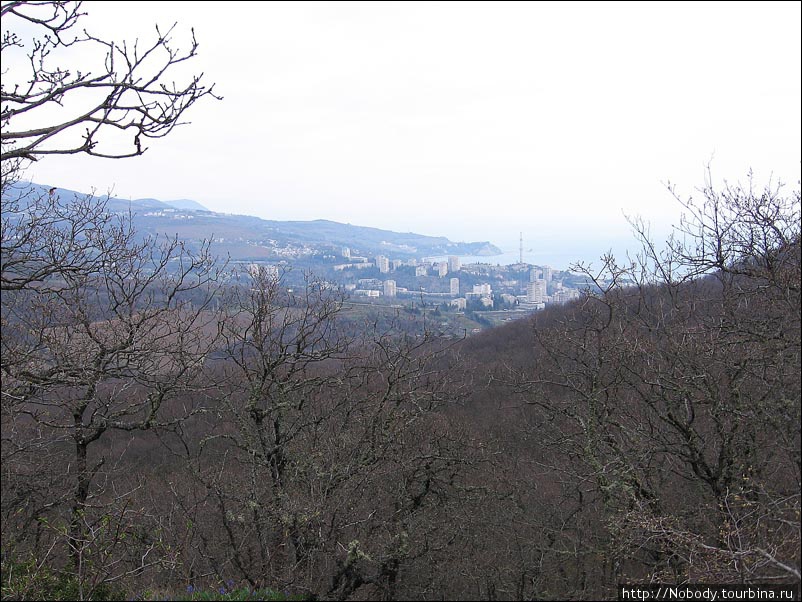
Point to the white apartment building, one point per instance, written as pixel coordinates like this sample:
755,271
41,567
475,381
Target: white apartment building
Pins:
483,290
383,263
455,287
536,291
460,303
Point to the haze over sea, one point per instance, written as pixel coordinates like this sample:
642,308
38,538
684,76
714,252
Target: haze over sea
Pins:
560,256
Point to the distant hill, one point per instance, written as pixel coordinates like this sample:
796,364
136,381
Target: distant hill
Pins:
27,191
187,204
244,237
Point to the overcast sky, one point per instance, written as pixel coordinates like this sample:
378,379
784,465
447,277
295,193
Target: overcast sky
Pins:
471,120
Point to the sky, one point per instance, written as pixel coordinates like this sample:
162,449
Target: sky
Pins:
475,121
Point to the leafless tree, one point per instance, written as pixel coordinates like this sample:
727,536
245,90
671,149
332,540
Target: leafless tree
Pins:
87,352
337,459
103,331
108,108
673,386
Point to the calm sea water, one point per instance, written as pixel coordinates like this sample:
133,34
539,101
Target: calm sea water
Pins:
560,260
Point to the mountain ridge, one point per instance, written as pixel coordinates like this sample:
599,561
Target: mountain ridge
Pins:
247,237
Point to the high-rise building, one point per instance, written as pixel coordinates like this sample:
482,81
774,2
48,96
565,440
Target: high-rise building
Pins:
454,264
455,287
420,270
383,264
389,288
536,291
442,268
346,252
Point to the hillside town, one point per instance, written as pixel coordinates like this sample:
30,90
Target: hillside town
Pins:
492,292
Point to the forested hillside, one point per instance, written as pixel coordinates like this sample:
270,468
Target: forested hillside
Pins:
168,429
654,428
163,430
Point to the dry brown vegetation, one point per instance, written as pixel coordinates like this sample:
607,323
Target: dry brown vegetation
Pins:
162,427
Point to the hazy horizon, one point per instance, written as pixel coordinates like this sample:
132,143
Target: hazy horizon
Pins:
473,121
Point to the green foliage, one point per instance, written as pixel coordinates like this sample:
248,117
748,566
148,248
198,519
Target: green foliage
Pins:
30,580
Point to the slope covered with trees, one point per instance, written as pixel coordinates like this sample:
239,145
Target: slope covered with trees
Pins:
162,428
667,412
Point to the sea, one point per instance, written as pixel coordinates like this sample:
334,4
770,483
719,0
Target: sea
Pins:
559,260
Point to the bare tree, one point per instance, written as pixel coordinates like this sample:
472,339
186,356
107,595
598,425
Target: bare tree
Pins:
53,108
673,386
85,353
103,331
336,458
44,239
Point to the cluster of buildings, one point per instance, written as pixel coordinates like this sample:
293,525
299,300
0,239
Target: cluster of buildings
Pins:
169,213
385,264
539,287
479,287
